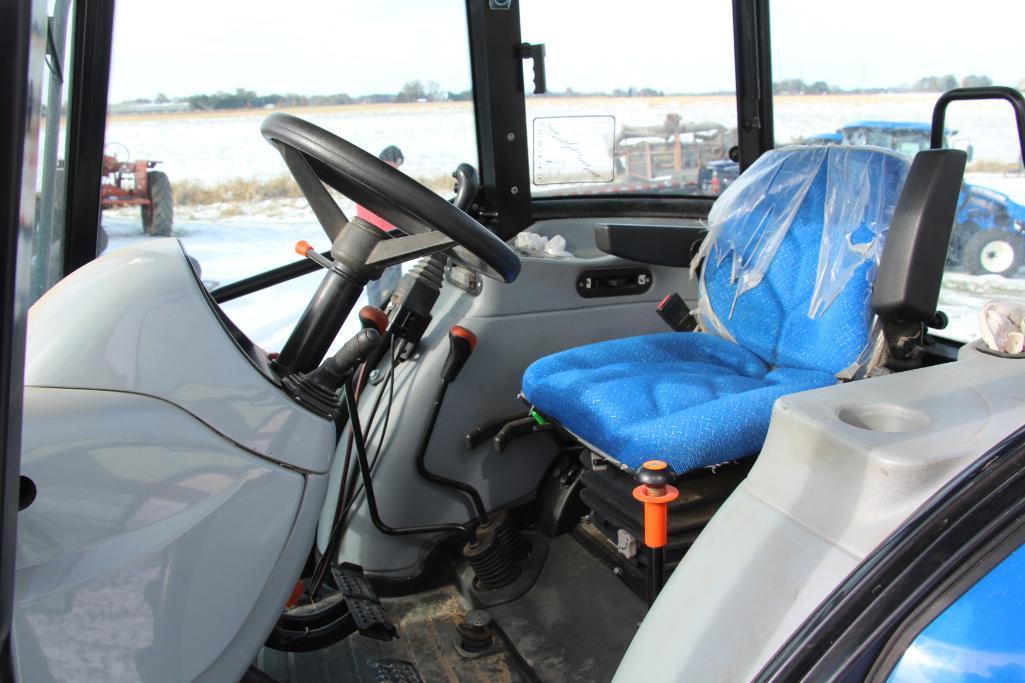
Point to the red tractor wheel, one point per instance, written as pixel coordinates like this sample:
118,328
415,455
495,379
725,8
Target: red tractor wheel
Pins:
158,215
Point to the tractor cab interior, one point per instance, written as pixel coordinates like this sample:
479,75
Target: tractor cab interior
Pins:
586,380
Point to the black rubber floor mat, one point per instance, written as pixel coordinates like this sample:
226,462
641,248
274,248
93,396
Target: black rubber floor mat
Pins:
576,622
424,651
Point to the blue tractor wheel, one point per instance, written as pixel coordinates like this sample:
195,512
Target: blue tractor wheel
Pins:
993,252
959,237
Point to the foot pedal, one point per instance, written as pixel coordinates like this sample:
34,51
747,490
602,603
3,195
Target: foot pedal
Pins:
362,602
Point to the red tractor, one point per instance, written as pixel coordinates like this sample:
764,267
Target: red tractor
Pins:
134,183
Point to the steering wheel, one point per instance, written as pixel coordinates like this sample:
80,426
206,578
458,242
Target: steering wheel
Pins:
316,157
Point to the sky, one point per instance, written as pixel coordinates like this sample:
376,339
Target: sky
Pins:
310,47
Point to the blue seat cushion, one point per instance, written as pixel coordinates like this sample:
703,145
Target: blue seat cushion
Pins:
690,399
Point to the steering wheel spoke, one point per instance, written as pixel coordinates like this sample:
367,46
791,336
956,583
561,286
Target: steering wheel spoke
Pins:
327,211
316,156
402,249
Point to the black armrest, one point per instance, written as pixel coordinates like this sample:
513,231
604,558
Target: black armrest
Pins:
657,245
907,286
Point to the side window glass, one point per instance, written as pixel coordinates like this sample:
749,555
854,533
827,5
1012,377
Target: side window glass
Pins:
835,87
51,186
980,637
635,104
184,155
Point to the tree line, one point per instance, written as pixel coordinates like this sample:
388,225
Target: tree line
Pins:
418,91
797,86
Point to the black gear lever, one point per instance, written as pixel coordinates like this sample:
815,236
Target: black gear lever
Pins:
331,372
461,343
317,389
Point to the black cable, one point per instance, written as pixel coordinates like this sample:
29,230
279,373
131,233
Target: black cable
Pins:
334,537
368,486
355,487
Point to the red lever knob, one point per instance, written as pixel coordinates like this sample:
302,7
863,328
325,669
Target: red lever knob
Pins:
461,343
372,316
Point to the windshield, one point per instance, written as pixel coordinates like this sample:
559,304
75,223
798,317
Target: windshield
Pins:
640,99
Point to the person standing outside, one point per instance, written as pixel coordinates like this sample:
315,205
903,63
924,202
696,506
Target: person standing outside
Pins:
381,289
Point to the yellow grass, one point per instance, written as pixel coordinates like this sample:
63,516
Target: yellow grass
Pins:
239,190
989,166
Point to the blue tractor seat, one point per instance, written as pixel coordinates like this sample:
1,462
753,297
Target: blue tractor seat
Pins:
785,283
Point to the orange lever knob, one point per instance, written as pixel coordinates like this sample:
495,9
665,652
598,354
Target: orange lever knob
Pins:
656,493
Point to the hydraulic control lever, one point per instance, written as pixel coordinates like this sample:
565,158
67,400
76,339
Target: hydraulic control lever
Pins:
318,388
461,343
372,317
332,372
656,492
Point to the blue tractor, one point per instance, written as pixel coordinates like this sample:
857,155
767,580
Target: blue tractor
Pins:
988,232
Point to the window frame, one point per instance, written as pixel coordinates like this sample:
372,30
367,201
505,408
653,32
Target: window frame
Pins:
968,526
93,32
498,86
22,47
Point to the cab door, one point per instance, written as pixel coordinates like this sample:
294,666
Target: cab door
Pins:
22,43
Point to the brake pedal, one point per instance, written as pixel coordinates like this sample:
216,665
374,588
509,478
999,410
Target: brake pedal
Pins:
362,602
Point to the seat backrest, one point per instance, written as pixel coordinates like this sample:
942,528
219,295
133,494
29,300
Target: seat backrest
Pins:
792,250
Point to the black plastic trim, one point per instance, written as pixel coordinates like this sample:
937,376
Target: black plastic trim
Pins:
501,114
596,283
845,635
659,245
93,32
627,207
907,286
752,58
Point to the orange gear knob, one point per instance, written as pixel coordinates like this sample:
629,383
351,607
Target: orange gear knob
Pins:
656,492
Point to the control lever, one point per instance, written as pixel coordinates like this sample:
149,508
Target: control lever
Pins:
331,372
317,389
461,343
372,317
304,248
504,430
656,492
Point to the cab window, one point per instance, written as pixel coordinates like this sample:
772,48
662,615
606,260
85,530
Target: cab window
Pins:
51,181
835,86
640,100
184,155
980,636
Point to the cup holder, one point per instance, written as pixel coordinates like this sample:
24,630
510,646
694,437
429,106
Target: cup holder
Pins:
882,417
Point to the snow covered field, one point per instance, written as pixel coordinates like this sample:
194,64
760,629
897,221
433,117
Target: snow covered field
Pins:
437,136
232,241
